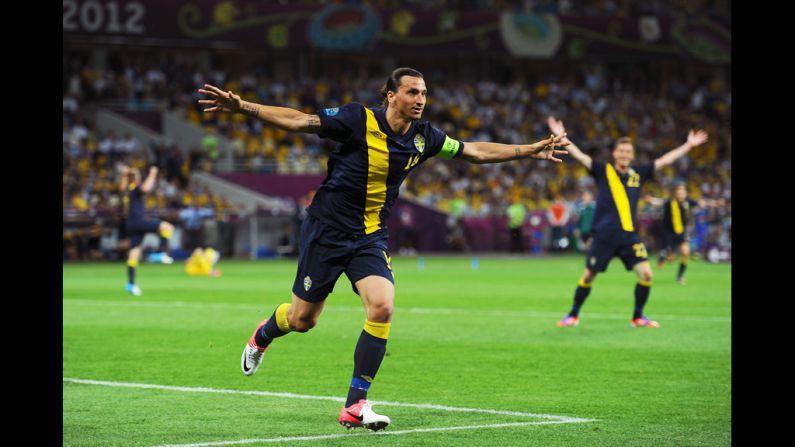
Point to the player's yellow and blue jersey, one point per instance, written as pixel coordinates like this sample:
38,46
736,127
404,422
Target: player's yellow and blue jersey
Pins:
617,199
136,224
676,214
134,203
365,172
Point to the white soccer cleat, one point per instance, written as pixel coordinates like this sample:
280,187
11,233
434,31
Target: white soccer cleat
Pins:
133,289
252,354
251,359
166,259
361,414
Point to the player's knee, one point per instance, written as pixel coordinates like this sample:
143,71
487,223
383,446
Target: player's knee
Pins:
166,229
381,311
301,323
134,255
646,275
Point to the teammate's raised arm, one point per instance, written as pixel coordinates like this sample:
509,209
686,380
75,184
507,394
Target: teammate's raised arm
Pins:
556,126
694,138
125,173
149,183
282,117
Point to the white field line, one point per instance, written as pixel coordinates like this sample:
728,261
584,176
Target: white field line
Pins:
187,389
551,418
379,433
409,310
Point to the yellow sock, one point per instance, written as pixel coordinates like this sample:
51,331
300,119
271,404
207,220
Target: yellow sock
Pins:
380,330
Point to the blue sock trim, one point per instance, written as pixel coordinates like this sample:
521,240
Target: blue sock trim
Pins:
360,384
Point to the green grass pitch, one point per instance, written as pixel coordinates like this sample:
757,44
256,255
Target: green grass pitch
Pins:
479,339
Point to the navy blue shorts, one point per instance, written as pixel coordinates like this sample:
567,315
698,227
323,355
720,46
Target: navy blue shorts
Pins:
606,245
672,241
325,252
137,229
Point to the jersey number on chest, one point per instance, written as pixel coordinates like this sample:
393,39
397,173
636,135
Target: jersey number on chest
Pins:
413,160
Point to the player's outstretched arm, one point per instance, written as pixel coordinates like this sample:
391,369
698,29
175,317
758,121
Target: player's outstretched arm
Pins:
654,201
282,117
125,172
556,126
149,183
711,203
486,152
694,138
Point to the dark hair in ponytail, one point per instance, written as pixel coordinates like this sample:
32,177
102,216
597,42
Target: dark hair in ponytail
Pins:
393,82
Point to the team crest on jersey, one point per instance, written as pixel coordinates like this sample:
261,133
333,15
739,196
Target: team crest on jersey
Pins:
419,142
332,111
307,283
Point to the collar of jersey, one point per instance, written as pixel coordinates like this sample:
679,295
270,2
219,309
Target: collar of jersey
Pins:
620,174
380,118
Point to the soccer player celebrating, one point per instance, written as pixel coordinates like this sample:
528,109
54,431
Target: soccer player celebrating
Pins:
614,220
676,214
137,225
345,230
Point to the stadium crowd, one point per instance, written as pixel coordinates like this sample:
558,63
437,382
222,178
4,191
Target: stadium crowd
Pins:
655,105
92,163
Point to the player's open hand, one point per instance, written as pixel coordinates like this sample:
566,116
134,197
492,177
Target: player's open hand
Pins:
220,101
695,138
546,149
556,126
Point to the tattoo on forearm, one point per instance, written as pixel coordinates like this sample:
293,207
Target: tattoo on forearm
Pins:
313,123
251,110
518,151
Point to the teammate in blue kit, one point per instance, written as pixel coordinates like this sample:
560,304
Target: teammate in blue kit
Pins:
614,223
345,230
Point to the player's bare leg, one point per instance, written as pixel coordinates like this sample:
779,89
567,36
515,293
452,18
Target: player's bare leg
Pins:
298,315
